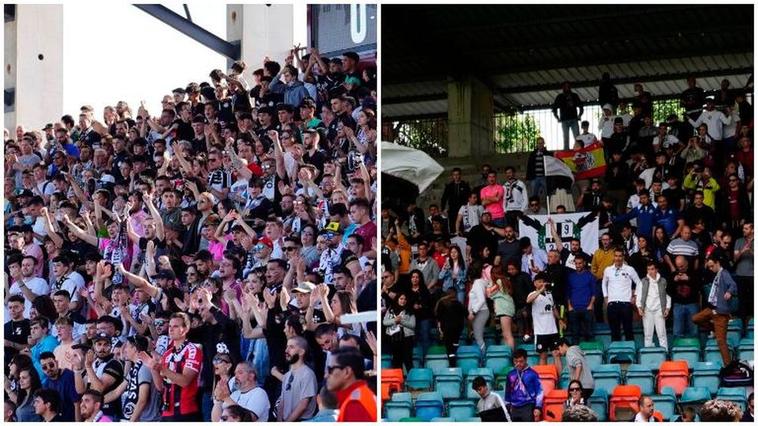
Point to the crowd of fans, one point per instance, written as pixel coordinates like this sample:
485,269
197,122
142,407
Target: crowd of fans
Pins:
676,246
202,262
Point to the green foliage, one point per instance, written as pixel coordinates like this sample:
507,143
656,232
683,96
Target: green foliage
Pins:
429,136
515,133
664,108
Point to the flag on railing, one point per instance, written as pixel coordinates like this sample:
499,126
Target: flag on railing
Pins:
585,163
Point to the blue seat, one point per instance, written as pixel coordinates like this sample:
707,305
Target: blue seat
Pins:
429,405
396,410
447,381
666,404
442,420
418,361
694,396
621,351
641,376
599,403
706,374
607,377
461,409
734,332
386,361
711,353
419,379
736,395
745,349
652,357
498,357
594,358
436,362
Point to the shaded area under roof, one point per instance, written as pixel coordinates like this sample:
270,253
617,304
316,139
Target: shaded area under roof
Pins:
523,52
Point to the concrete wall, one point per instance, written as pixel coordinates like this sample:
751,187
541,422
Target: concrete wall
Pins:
470,111
264,31
34,65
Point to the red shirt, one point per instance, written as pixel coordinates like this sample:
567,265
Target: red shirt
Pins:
357,403
174,396
368,233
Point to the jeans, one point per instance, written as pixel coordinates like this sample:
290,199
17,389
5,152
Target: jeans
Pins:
574,126
745,299
538,187
683,325
620,313
580,323
206,406
261,360
424,334
719,327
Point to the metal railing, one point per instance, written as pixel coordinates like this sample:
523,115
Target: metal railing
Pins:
428,135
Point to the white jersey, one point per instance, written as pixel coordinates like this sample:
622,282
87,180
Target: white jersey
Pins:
542,315
470,216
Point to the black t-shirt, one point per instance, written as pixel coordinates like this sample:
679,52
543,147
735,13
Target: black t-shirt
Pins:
115,369
16,332
479,237
684,291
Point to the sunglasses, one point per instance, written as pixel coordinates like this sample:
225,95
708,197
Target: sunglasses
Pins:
291,379
330,369
290,248
48,366
159,323
218,360
574,389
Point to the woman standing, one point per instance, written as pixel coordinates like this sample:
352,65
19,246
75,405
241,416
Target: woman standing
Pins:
499,290
401,325
28,383
478,313
420,301
453,273
450,314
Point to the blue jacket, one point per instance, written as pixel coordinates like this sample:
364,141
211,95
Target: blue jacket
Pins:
645,219
727,284
524,388
667,219
580,289
294,93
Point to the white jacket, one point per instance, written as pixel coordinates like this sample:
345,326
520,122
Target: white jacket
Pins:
477,298
515,196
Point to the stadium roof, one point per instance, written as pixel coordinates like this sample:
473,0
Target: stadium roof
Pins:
523,52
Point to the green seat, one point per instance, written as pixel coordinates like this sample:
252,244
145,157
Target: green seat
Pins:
412,420
436,350
591,346
686,342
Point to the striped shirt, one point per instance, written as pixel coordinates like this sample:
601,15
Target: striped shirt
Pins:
680,247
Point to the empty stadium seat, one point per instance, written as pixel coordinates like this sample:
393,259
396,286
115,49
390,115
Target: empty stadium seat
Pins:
392,381
594,353
745,349
625,351
642,376
396,410
607,377
736,395
652,357
694,397
442,420
686,349
593,345
734,332
674,374
436,361
564,380
706,374
624,403
386,361
553,412
602,334
461,409
666,404
420,379
447,382
429,405
468,357
712,353
498,357
418,360
599,404
548,376
750,326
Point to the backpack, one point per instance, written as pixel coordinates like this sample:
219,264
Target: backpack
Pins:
735,374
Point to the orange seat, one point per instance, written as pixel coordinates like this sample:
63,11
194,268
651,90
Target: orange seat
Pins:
624,402
675,374
392,381
556,396
553,412
658,416
548,376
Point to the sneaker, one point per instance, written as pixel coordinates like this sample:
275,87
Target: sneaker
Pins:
527,337
711,335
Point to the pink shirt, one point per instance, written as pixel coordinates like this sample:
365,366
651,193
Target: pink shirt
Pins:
496,208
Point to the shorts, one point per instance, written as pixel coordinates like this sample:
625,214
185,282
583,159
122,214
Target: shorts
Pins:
545,342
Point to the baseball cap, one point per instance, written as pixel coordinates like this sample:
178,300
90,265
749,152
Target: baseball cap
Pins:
266,241
102,336
305,287
166,273
335,227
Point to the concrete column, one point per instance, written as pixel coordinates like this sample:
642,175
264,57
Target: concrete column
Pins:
34,65
264,30
470,112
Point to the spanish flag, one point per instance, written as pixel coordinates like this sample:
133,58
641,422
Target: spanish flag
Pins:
585,163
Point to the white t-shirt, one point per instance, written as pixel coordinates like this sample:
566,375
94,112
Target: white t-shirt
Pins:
471,216
37,286
638,418
254,400
542,315
73,283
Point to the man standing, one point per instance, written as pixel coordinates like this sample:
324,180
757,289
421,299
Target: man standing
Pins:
428,267
454,196
619,294
685,295
490,407
298,399
580,291
716,315
544,315
141,401
492,196
568,102
176,373
469,215
103,373
744,260
535,169
654,306
345,377
516,197
523,390
577,365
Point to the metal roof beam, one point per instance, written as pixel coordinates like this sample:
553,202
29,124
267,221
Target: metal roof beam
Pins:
192,30
415,98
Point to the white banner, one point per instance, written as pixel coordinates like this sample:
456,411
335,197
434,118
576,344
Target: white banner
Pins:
572,225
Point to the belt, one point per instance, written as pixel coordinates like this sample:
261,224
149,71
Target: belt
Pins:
619,303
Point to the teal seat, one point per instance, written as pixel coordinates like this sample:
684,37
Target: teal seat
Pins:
442,420
706,375
745,349
666,404
591,346
711,353
593,358
471,420
625,351
488,376
461,409
498,350
564,380
386,361
429,405
468,363
641,376
694,396
402,397
485,372
599,403
652,357
436,362
607,377
686,349
749,331
498,357
419,379
734,332
449,386
736,395
396,410
418,360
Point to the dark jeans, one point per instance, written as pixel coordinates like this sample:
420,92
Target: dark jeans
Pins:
580,323
745,297
424,335
620,313
524,413
451,339
524,320
402,353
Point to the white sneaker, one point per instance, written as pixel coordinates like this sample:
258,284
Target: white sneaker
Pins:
711,335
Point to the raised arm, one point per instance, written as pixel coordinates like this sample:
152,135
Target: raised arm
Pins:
155,214
79,232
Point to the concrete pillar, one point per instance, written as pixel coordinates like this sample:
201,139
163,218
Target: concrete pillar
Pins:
470,112
264,30
34,65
